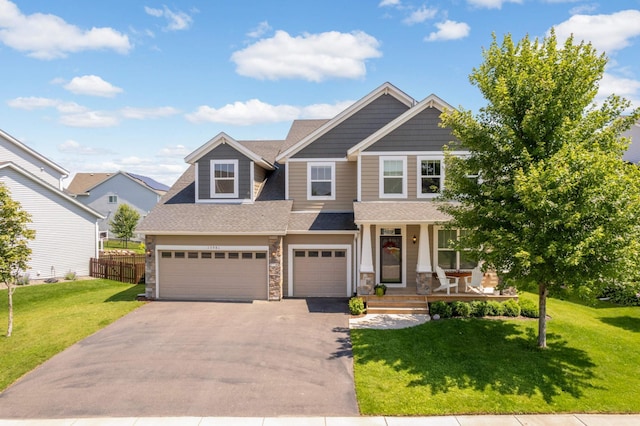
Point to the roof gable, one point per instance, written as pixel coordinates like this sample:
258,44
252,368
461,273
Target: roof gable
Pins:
83,183
431,101
385,89
33,153
223,138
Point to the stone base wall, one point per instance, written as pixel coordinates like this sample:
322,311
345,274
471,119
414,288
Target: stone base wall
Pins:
275,268
150,267
367,282
424,282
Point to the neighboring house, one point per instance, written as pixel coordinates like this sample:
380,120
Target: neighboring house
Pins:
66,231
633,152
104,192
336,207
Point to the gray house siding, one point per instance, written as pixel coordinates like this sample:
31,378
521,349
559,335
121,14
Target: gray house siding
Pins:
126,190
421,133
337,141
10,152
65,233
346,187
224,152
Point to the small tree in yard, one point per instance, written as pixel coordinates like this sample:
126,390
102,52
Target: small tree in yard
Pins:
553,202
14,251
124,222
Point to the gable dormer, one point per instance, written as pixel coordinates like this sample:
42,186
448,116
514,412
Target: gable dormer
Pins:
227,171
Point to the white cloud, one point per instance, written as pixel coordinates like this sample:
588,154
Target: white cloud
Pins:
92,85
312,57
255,111
45,36
176,21
73,147
148,113
421,15
384,3
90,119
449,30
625,87
607,33
262,28
583,8
32,102
491,4
174,151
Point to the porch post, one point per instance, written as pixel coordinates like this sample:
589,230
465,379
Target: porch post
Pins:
424,273
367,275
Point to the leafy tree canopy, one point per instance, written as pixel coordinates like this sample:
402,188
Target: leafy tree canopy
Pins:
544,186
124,222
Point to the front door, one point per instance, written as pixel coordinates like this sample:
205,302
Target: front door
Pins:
391,259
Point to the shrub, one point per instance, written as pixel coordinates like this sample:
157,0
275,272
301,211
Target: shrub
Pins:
479,308
356,306
494,308
441,308
528,308
627,294
511,308
23,279
70,276
461,309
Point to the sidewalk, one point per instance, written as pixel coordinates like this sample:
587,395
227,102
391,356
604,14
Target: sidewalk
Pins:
509,420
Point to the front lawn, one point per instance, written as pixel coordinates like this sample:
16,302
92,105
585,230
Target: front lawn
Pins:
474,366
51,317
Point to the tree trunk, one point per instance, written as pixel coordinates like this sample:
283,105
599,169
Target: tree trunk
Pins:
542,321
10,296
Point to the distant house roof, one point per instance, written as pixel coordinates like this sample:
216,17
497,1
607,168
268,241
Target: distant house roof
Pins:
83,183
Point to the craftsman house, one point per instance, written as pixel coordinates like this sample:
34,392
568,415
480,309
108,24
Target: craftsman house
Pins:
338,206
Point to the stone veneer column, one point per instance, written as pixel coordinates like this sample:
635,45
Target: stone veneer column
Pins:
275,268
150,267
367,273
424,274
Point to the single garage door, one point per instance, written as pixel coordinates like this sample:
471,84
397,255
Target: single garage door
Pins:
221,275
320,273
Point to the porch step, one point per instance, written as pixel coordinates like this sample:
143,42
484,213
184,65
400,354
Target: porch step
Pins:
397,305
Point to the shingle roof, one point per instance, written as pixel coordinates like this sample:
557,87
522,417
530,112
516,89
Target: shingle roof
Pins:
177,213
301,129
83,181
396,212
316,221
265,149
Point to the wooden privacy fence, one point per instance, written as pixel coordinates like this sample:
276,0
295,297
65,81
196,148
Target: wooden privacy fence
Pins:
124,268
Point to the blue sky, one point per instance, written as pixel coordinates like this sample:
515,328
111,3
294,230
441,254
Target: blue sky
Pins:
133,85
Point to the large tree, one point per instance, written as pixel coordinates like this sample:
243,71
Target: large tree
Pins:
14,249
124,222
544,187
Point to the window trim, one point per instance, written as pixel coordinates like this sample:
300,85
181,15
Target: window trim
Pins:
420,159
114,197
310,195
381,176
436,239
212,179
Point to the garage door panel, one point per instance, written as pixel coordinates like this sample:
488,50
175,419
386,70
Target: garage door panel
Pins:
210,278
321,276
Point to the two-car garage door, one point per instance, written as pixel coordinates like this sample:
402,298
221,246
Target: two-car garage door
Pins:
213,275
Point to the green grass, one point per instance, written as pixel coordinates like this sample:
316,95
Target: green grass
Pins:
51,317
473,366
133,246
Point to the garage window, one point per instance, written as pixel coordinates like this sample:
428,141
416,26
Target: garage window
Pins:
326,254
192,255
299,253
313,253
166,255
179,255
233,255
340,254
247,255
261,255
205,255
219,255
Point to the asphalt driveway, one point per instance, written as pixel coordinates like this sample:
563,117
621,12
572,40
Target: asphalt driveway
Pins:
200,359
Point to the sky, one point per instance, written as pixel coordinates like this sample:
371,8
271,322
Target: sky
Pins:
102,86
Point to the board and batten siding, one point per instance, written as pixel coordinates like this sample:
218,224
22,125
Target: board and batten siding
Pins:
337,141
420,133
224,152
10,152
66,234
346,189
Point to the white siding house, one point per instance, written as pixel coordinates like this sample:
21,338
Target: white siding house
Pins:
66,231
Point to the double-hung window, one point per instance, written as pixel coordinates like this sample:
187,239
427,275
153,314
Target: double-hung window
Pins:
393,177
321,181
113,199
224,178
430,176
447,257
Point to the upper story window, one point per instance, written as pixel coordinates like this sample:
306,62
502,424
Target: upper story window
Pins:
113,199
321,182
393,177
224,178
430,176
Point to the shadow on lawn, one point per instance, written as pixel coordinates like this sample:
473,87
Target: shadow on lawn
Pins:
479,354
626,322
127,295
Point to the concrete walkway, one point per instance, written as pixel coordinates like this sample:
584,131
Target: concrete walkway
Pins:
511,420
